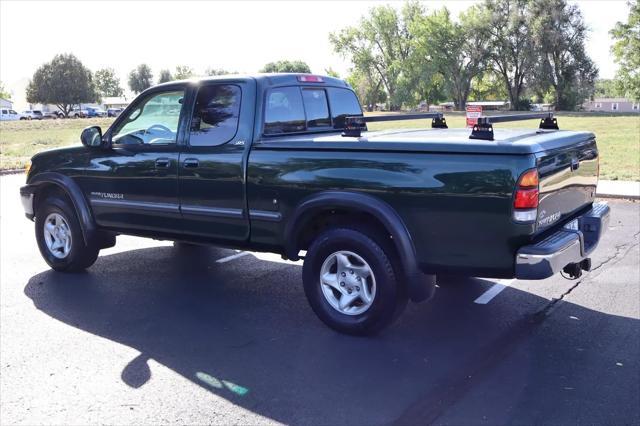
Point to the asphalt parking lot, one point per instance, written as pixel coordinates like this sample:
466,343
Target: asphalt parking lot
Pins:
157,334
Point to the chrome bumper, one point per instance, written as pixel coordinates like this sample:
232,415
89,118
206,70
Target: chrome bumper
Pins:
26,196
571,244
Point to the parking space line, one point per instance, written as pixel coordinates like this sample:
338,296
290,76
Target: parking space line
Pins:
495,289
233,256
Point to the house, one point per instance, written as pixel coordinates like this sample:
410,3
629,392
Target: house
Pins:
612,105
114,102
491,105
6,103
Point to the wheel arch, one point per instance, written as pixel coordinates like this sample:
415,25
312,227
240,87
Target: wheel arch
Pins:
420,286
43,182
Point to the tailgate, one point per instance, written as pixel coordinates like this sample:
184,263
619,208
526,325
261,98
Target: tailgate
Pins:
568,179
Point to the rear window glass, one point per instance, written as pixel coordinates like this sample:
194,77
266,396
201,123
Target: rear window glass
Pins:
316,108
284,112
343,103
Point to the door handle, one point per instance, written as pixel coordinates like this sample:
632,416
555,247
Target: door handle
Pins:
575,164
163,162
191,162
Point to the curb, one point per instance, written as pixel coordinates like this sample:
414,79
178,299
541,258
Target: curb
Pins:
11,172
618,196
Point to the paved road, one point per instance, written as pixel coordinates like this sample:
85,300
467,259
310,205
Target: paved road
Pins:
156,334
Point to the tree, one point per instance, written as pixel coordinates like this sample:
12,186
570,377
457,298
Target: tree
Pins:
606,88
4,93
457,50
563,65
368,87
286,66
382,45
183,72
488,86
626,51
165,76
107,84
331,72
140,78
63,82
218,71
511,44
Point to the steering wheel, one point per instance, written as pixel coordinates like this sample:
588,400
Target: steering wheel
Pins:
160,127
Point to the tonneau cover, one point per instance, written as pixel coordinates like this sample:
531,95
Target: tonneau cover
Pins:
507,141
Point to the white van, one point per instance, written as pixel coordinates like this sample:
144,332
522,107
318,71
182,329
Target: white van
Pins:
8,115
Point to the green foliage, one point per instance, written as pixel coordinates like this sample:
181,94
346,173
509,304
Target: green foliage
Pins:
368,87
606,88
4,93
456,50
559,35
488,86
511,43
381,45
107,83
218,71
183,72
165,76
331,72
286,66
140,78
626,50
63,82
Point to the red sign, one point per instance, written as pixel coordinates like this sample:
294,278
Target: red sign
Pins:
473,113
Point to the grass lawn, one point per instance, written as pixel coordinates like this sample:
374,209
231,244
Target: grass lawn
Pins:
618,138
20,140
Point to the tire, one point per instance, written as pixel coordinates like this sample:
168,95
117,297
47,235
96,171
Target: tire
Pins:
387,301
79,256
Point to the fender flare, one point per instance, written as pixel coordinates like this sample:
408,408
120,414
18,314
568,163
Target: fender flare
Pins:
420,286
75,194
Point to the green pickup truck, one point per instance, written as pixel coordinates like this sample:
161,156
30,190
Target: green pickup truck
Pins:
284,163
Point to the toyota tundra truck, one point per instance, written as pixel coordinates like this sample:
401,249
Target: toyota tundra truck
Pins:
284,163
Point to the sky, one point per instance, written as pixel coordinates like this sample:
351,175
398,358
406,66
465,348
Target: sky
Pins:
237,36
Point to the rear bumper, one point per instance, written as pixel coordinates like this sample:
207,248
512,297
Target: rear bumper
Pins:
571,244
26,196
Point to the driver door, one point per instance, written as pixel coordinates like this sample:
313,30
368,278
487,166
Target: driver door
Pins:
134,184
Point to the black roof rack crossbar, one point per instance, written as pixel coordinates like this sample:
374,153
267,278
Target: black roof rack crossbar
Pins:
484,128
355,125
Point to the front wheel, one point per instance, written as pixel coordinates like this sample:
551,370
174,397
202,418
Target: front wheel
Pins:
350,282
60,238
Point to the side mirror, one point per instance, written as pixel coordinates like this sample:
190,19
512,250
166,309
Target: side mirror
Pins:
91,136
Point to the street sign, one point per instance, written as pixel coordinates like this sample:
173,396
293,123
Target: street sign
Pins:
473,113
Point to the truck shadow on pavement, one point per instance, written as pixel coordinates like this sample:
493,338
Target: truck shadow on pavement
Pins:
244,331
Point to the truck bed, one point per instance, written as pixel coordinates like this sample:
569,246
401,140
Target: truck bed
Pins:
507,141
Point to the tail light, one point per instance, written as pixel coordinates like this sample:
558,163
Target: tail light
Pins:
525,201
310,79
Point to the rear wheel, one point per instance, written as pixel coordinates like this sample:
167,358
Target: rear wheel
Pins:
350,282
60,238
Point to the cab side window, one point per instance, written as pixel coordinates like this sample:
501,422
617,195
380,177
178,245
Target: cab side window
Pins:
154,120
215,115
